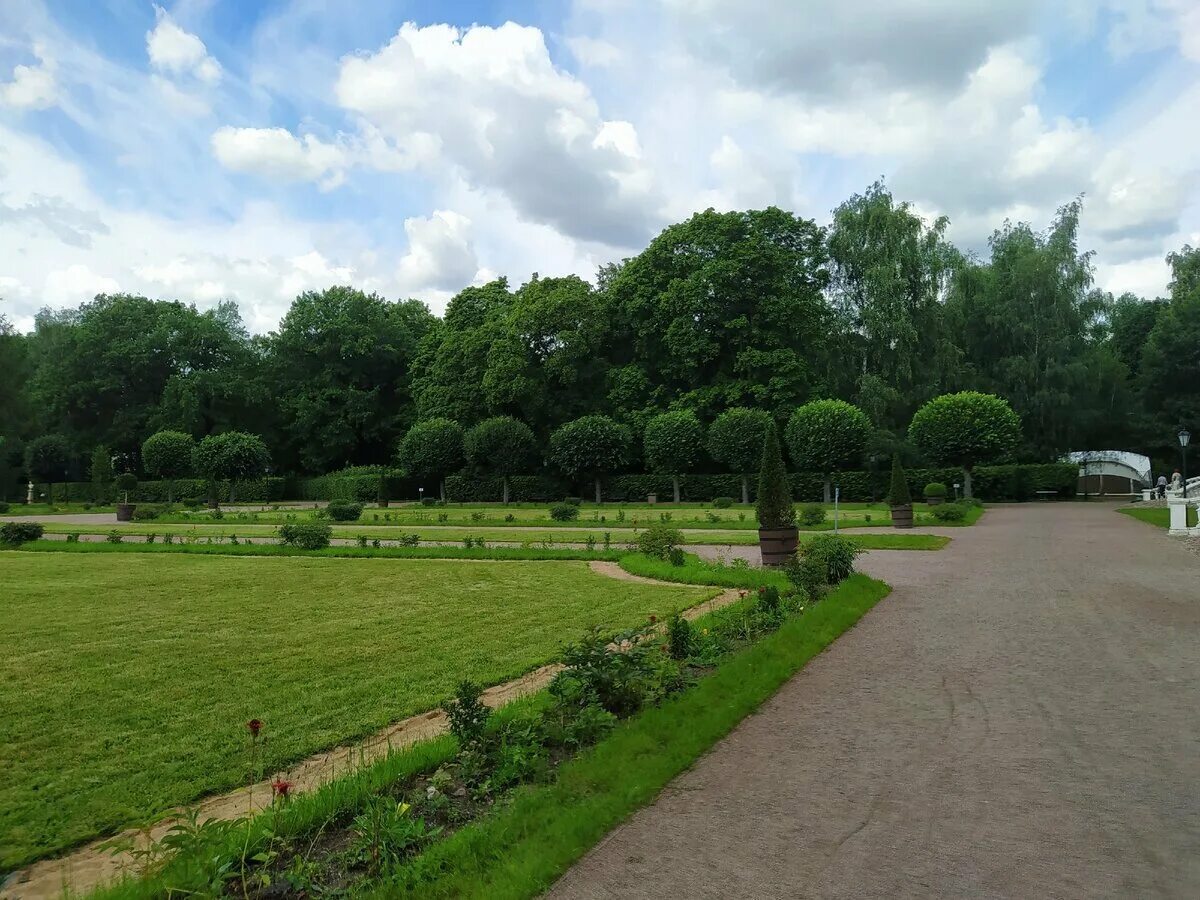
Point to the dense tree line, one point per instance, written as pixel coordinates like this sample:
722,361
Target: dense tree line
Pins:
725,321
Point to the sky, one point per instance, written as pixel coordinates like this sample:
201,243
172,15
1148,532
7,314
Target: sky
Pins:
206,150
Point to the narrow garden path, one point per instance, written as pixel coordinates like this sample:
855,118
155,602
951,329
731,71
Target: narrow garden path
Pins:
94,864
1018,719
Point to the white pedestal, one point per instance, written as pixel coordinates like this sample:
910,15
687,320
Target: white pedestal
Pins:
1178,507
1147,495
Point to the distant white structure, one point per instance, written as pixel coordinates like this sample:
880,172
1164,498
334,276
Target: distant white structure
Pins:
1111,471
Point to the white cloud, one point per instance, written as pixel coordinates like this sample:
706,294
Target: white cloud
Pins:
506,119
594,52
277,153
76,283
440,254
31,87
179,52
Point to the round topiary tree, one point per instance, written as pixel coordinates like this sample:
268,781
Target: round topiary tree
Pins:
590,446
825,435
501,446
47,459
168,455
231,456
673,443
966,429
432,448
736,438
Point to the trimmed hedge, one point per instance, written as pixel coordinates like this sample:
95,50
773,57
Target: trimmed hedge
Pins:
356,488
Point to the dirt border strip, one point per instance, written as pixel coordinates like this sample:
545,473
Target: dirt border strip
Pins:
92,865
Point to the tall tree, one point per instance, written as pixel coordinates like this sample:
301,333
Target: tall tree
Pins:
1026,321
722,310
342,365
674,443
501,446
890,276
1170,372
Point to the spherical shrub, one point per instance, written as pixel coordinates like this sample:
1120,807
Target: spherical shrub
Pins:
812,514
722,502
835,553
344,510
935,489
564,512
147,512
660,541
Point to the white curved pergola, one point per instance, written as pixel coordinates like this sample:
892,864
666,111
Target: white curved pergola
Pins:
1120,463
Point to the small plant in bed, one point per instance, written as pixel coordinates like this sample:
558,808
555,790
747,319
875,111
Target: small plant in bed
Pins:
659,541
344,510
13,534
812,514
305,535
949,512
564,512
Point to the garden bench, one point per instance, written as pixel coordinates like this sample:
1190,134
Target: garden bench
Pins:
1046,495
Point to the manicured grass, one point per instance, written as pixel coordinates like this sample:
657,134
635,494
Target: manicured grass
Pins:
128,677
699,571
1158,516
527,844
45,509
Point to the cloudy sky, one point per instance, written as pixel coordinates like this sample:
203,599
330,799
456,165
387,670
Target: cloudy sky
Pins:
212,149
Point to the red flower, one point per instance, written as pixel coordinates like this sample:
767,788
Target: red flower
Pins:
281,787
255,726
653,619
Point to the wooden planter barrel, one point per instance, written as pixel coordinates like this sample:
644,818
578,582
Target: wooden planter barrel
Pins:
902,516
777,544
125,512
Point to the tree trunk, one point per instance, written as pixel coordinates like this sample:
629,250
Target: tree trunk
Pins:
675,483
170,491
442,489
597,488
745,488
828,486
232,482
967,483
504,481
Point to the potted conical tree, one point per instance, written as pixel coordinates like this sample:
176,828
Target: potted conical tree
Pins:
899,497
125,483
777,532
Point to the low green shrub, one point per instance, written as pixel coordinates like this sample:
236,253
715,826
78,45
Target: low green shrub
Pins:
834,553
935,489
429,501
305,535
949,512
812,514
659,541
722,502
147,512
679,637
564,512
113,537
807,575
14,533
574,501
3,507
191,502
344,510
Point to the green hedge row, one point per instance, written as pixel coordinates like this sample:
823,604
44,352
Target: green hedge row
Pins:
1013,482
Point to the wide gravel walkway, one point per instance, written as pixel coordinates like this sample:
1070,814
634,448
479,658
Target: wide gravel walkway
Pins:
1020,718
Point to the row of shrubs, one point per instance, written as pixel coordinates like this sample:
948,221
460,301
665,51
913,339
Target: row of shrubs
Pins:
994,483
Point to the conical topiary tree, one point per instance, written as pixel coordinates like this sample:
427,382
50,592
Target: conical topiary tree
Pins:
898,492
774,503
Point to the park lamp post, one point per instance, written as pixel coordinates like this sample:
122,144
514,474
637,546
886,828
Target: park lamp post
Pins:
1185,438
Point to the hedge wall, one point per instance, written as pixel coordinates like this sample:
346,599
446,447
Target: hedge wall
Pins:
362,488
260,490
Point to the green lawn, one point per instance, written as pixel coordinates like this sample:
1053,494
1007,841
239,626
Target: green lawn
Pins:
1159,516
128,677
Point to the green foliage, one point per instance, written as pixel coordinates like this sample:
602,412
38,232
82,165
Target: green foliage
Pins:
935,489
673,442
812,514
47,458
501,445
898,493
232,456
680,637
386,833
147,512
432,448
807,574
722,502
774,504
126,483
736,438
591,445
15,533
965,429
659,541
168,454
825,435
949,512
344,510
467,715
564,512
834,554
305,535
102,473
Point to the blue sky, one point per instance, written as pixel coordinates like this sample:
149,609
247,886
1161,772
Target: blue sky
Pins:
213,149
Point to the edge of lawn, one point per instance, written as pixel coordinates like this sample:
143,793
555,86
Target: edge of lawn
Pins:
1158,516
525,846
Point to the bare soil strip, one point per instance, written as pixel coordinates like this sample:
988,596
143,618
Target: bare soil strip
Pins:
94,864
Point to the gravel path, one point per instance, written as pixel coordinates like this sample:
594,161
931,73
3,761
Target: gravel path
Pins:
1018,719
